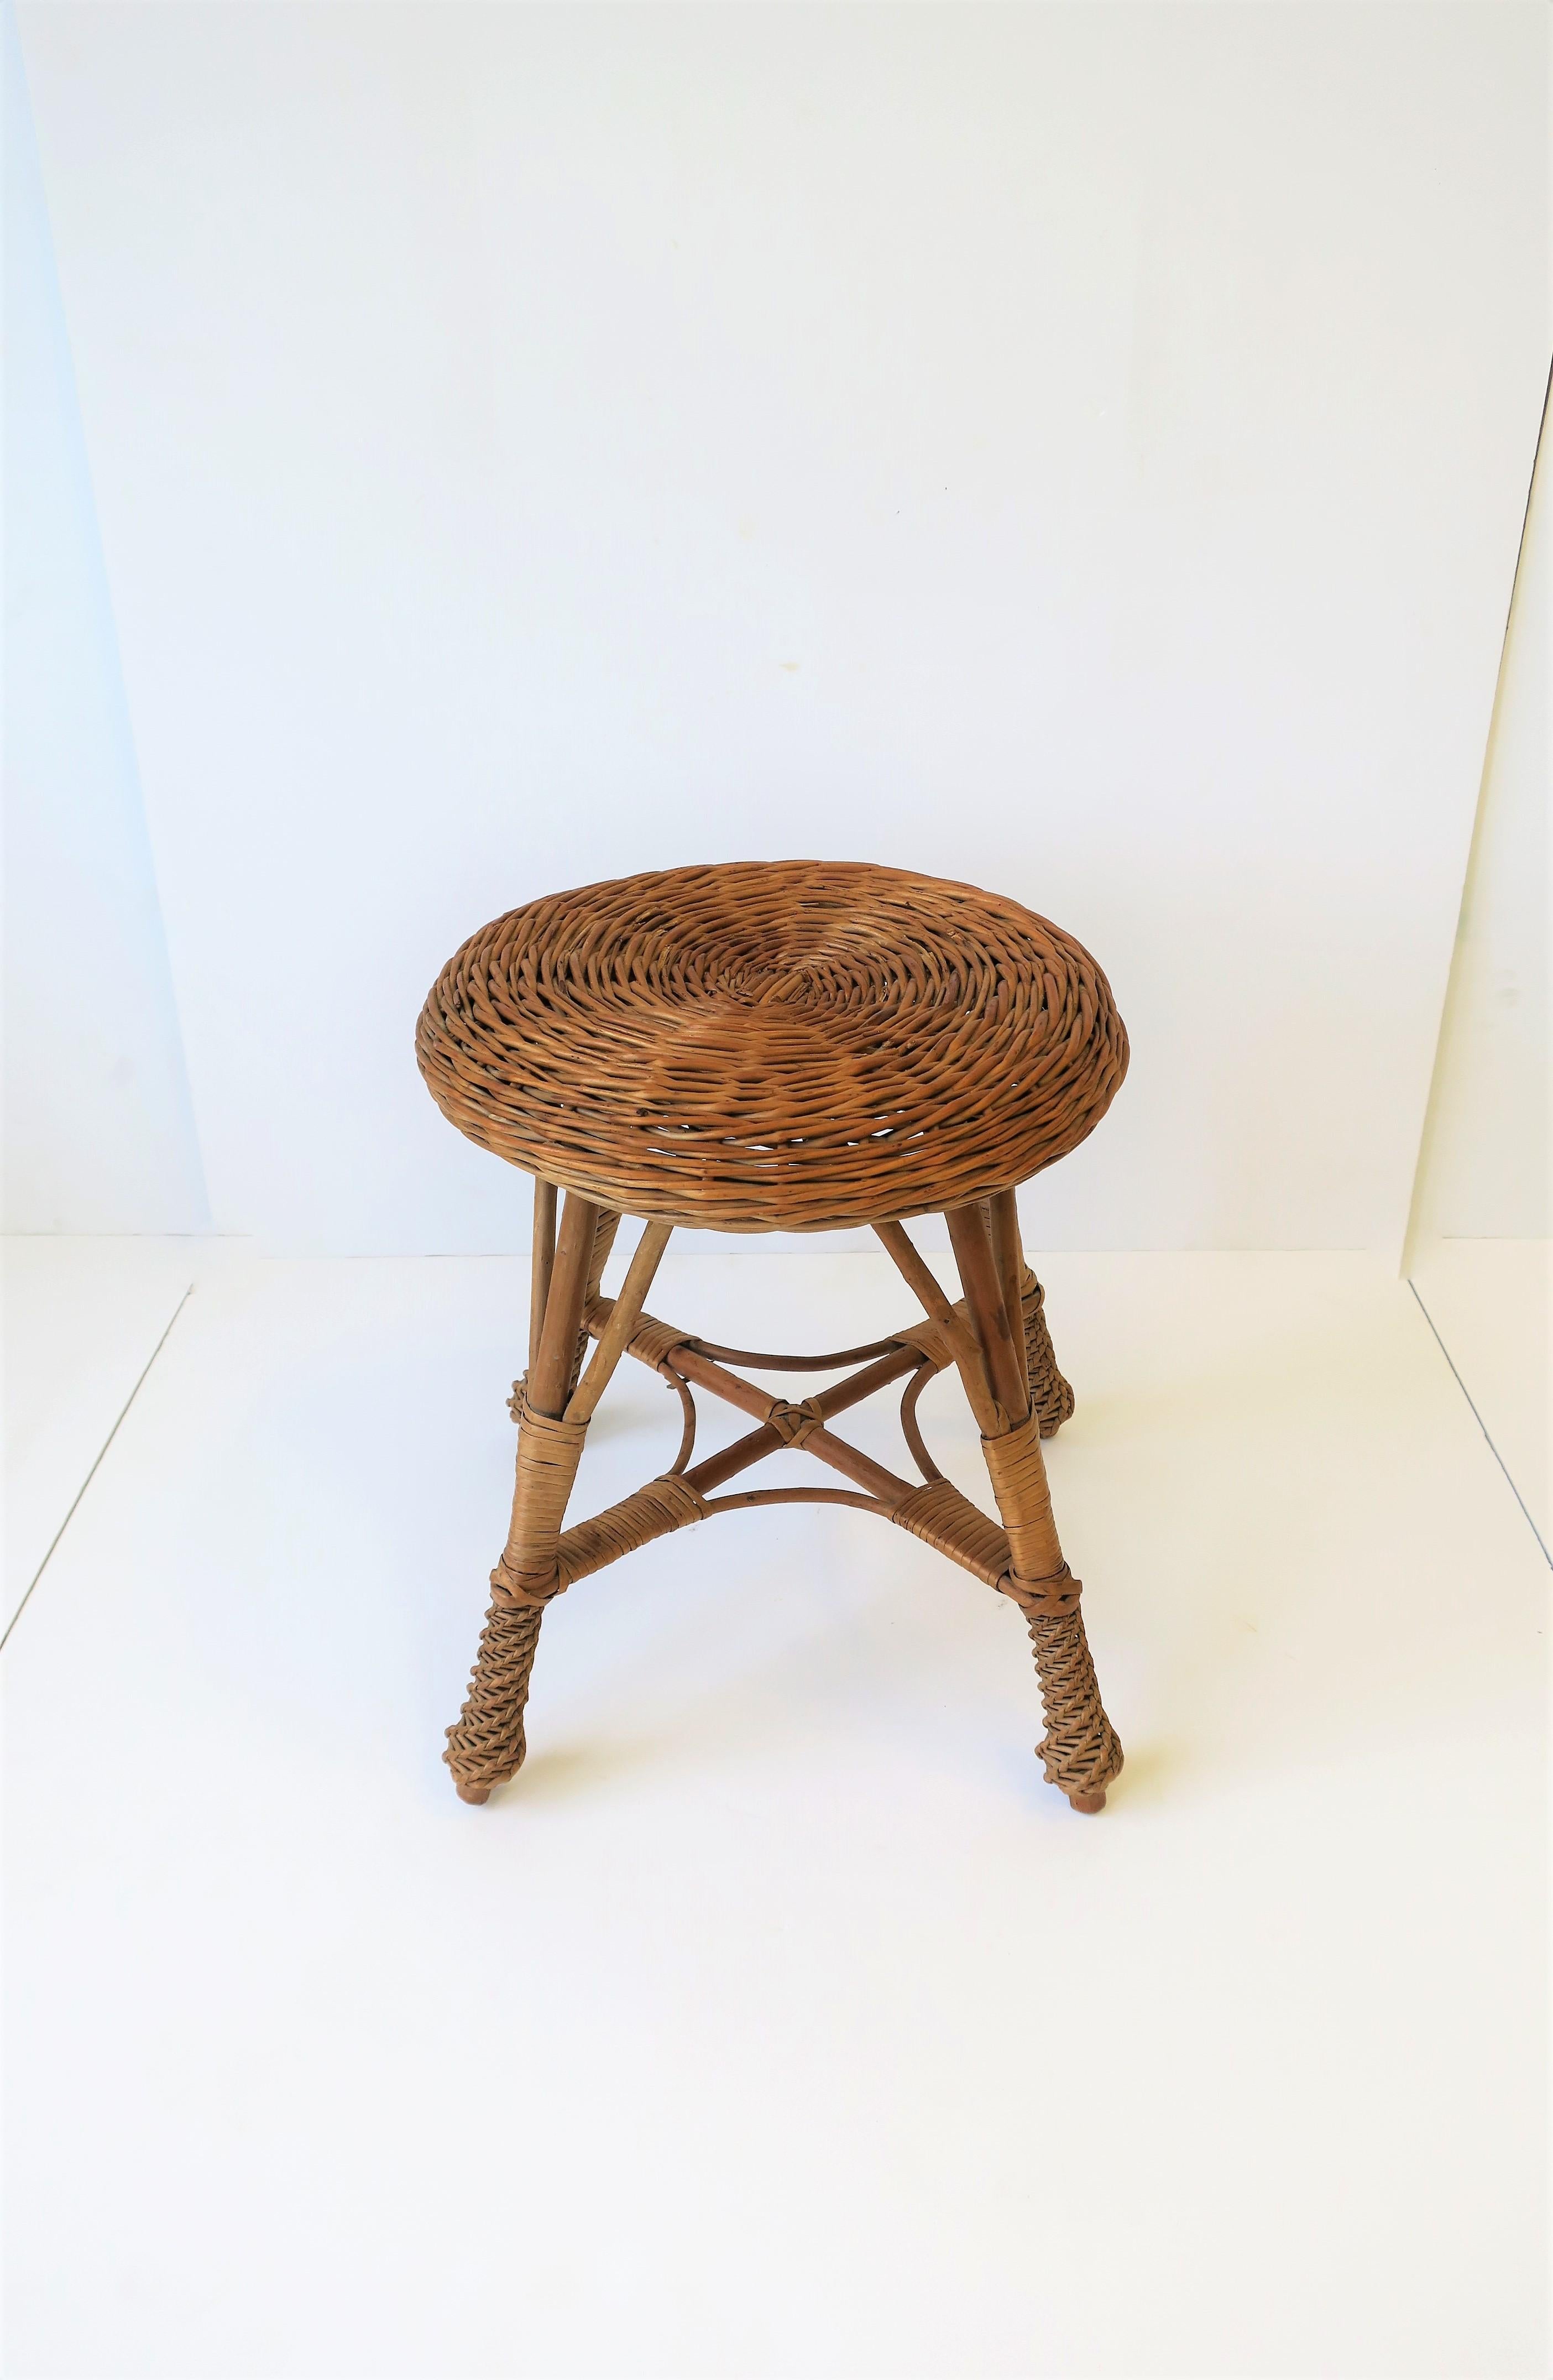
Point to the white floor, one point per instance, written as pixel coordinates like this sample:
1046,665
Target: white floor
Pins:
81,1320
778,2020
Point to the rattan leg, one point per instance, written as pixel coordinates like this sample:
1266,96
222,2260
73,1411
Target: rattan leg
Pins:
553,1410
487,1746
604,1231
1022,1292
1080,1752
1051,1397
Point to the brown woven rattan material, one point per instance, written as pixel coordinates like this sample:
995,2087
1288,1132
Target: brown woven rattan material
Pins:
791,1046
1050,1396
798,1046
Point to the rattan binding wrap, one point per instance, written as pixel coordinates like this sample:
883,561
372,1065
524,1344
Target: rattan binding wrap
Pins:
791,1046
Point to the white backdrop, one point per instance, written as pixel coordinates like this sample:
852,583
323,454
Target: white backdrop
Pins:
1077,448
98,1130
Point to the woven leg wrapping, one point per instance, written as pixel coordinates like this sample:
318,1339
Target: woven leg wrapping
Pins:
1051,1397
1080,1752
488,1743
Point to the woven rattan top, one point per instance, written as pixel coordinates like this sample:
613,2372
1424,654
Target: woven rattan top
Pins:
791,1046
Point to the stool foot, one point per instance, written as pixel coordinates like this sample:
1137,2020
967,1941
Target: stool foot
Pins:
1080,1751
487,1746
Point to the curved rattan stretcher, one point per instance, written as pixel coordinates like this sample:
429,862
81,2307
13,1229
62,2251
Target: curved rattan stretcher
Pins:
796,1046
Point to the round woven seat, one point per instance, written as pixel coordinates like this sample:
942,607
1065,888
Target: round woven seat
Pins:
789,1045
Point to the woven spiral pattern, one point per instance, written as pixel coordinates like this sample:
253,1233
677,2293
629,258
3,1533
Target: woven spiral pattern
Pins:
1080,1752
488,1745
796,1046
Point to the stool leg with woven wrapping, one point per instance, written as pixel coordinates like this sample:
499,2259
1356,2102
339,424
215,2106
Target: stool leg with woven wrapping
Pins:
555,1403
1051,1398
487,1746
1079,1751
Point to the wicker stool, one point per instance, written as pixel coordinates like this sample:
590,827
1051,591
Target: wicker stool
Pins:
802,1046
